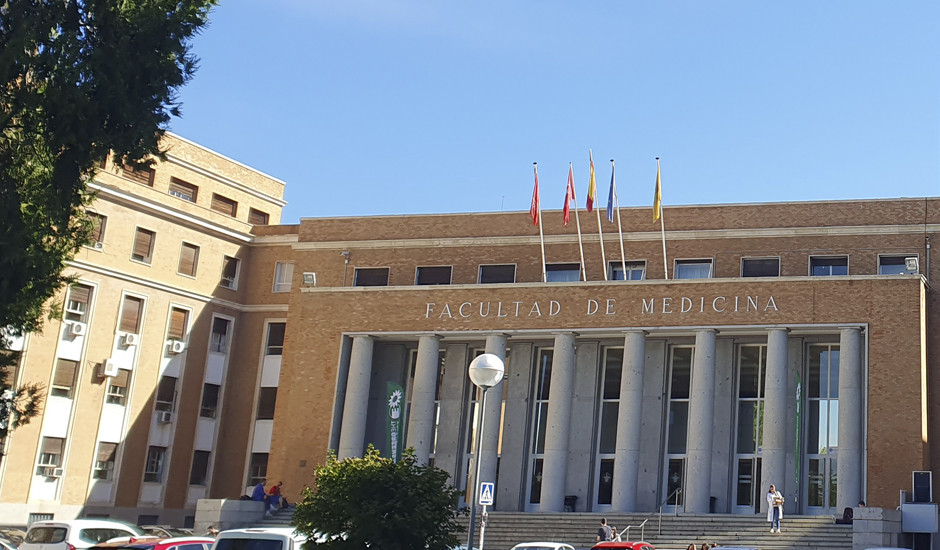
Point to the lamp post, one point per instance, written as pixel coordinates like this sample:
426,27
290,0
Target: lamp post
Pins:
486,371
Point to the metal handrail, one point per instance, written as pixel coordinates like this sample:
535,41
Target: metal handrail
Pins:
642,525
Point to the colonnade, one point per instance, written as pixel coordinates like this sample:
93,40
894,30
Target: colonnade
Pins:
697,489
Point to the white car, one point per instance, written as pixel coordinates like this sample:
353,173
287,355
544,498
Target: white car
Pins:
259,538
76,533
542,546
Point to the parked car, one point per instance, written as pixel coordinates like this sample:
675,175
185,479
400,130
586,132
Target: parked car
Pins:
152,543
259,538
166,531
625,545
76,534
542,546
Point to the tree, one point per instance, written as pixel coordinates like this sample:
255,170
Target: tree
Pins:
78,79
375,502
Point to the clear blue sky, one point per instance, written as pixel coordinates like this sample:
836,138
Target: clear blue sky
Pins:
425,106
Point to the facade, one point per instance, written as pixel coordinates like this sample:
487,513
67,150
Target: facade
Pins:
781,343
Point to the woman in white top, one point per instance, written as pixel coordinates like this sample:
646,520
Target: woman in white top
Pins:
774,509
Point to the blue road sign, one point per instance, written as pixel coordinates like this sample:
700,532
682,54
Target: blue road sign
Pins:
486,493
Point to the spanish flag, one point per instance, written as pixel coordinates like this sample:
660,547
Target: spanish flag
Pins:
658,196
592,185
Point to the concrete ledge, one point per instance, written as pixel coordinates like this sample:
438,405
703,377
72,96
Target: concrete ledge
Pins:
226,514
873,527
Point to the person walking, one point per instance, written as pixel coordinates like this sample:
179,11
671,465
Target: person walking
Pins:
774,509
604,533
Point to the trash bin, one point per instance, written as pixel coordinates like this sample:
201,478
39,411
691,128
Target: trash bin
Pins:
570,502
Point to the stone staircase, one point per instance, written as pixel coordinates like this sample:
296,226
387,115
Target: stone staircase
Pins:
281,518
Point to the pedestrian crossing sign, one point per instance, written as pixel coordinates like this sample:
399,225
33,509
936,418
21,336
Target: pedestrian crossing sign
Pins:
486,493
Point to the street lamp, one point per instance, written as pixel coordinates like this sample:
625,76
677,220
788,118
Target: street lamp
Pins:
486,371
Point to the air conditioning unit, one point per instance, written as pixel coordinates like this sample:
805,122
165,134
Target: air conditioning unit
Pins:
310,278
109,367
58,472
177,346
98,245
52,471
77,329
164,417
130,339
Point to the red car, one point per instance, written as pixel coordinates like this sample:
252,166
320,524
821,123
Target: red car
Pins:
617,545
155,543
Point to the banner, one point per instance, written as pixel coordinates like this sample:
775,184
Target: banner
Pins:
393,427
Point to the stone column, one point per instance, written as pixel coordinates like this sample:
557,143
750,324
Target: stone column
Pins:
558,423
629,423
773,450
352,436
851,419
421,417
697,486
495,344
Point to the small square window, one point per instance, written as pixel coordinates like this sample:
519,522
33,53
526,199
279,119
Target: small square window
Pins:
210,400
50,455
371,276
130,314
224,205
693,269
257,468
143,245
189,259
140,174
828,266
183,190
76,305
63,379
230,268
561,273
200,470
257,217
104,461
435,275
490,274
166,393
218,341
636,271
153,471
760,267
117,388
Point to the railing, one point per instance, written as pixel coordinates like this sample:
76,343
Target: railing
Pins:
642,525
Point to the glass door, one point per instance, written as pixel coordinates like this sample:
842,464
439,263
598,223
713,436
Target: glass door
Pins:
677,425
822,426
752,368
541,386
607,434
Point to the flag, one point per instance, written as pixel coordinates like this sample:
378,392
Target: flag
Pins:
612,195
534,209
658,196
592,186
569,194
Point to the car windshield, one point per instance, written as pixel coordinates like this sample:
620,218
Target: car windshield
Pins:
43,535
248,544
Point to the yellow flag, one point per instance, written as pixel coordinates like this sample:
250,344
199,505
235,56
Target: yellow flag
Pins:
592,186
658,196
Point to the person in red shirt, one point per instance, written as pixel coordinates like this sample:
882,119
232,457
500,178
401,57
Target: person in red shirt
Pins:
276,500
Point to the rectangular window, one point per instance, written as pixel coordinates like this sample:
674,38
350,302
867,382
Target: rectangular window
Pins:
166,393
897,265
200,469
139,174
130,314
210,400
257,468
267,397
760,267
828,266
275,338
64,378
143,246
562,273
693,269
76,305
189,259
178,323
436,275
491,274
98,225
218,341
153,471
371,276
636,271
224,205
230,267
117,388
50,455
283,273
183,190
104,461
257,217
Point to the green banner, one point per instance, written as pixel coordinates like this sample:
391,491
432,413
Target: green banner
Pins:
393,426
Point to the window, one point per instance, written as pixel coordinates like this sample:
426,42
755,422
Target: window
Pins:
64,378
828,266
153,471
140,174
210,400
283,273
760,267
437,275
257,217
636,271
230,267
490,274
76,306
562,273
166,393
693,269
104,461
371,276
130,314
218,341
200,469
896,265
50,455
257,468
189,258
143,246
117,388
178,322
275,338
183,190
223,205
267,397
98,224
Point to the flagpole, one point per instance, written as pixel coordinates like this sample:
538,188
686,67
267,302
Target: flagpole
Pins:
538,205
623,259
600,228
577,220
662,222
